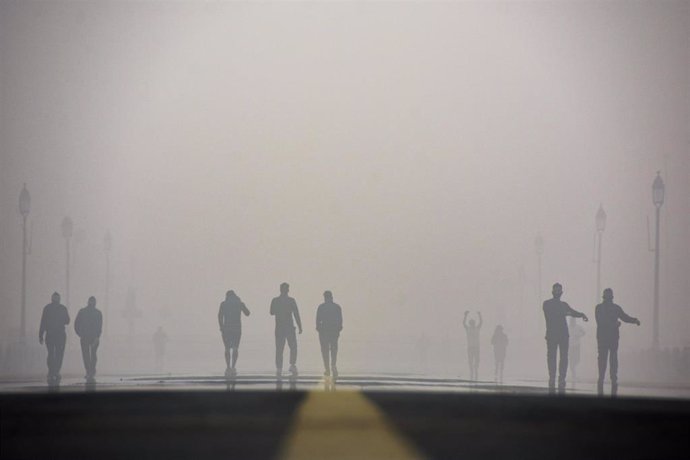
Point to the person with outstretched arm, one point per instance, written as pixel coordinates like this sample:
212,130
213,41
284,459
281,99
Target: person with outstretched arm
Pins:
608,316
557,337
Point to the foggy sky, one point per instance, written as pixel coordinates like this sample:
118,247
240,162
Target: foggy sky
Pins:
402,155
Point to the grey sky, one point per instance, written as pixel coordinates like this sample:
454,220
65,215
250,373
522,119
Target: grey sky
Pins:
402,155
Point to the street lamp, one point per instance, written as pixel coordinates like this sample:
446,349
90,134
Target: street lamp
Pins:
539,247
67,230
600,221
107,246
24,208
658,190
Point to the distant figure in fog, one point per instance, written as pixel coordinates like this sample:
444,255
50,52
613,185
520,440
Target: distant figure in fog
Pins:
230,322
53,321
284,308
500,343
472,332
557,336
576,333
160,342
88,326
608,315
329,323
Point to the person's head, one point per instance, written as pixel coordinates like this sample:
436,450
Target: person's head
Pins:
608,295
499,329
472,322
328,296
230,294
557,291
92,302
55,297
284,288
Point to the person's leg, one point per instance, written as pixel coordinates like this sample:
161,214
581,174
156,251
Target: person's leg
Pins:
551,362
613,352
334,353
292,343
601,361
280,346
50,361
495,365
469,362
94,356
234,352
562,364
237,336
476,363
323,340
85,355
59,352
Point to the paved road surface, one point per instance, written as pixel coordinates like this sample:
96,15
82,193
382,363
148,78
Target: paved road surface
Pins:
202,417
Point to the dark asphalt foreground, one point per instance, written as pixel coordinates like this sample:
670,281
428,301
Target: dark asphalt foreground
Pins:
254,424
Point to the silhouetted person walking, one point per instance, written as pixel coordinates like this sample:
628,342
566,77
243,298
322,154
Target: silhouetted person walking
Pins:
557,336
329,323
472,332
230,322
284,308
500,343
160,342
88,326
608,315
53,321
576,333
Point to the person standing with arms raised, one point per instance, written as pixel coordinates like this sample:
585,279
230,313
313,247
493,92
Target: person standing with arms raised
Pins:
557,337
284,308
608,315
53,321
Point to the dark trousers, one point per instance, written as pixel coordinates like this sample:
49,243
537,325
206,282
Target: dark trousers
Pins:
608,351
557,346
329,349
88,353
281,337
56,350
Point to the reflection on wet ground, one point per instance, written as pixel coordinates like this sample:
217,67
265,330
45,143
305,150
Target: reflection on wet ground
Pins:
382,382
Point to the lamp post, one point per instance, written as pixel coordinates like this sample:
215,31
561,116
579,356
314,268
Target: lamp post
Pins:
539,247
24,208
67,230
600,221
107,246
658,190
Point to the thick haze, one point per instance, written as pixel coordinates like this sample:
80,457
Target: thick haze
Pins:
402,155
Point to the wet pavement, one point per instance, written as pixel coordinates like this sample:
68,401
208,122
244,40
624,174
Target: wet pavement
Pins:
373,416
306,382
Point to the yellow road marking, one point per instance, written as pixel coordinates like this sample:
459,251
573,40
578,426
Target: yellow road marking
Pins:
343,425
